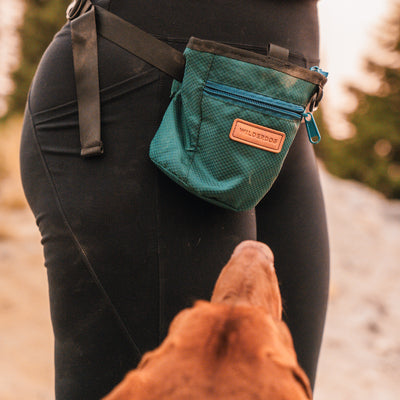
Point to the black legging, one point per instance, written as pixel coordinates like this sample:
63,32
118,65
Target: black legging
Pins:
126,248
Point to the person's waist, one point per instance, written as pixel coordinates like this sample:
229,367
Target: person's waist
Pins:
250,24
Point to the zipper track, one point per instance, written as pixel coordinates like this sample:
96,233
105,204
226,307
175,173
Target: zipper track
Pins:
267,104
262,102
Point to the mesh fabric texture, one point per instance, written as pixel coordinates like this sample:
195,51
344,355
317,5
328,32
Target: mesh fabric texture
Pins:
192,145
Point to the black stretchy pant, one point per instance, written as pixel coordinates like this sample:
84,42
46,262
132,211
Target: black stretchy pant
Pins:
126,248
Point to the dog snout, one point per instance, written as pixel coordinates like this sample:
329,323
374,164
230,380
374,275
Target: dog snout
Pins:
257,246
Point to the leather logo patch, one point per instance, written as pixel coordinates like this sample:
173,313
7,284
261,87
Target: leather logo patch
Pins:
257,136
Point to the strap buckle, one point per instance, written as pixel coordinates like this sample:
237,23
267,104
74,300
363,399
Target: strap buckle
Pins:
76,8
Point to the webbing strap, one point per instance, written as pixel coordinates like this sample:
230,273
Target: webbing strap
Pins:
84,49
141,44
83,15
278,52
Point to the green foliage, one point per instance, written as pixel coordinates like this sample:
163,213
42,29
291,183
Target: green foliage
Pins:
372,156
42,19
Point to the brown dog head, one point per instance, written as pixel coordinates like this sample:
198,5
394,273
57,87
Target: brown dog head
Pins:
234,347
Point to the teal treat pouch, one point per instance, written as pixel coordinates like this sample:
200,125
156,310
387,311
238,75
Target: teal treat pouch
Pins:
231,121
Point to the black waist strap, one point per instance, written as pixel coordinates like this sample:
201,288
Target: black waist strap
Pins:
85,18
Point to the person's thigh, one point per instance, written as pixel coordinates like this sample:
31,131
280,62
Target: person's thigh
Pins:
125,248
291,220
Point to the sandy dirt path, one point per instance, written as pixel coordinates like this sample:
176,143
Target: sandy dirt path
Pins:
25,331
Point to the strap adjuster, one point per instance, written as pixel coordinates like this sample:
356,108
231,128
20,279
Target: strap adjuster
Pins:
76,8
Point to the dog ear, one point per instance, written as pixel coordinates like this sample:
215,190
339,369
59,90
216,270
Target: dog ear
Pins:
283,354
297,371
302,379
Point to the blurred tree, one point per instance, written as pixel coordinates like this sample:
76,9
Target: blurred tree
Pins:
372,155
42,19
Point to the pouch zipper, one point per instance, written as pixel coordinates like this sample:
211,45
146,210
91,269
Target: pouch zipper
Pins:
265,103
319,70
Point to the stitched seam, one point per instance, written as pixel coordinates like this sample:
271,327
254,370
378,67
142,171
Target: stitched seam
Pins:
201,118
157,216
76,241
106,93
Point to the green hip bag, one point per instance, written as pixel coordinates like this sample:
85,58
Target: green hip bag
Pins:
232,117
231,122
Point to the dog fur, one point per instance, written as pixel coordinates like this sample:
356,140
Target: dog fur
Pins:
235,347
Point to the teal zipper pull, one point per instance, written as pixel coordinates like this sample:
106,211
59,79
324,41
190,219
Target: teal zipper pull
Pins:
319,70
312,129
